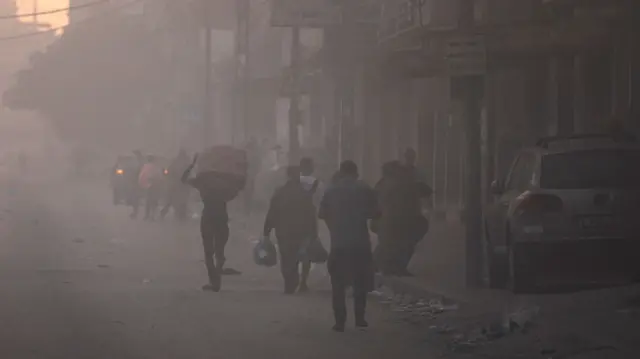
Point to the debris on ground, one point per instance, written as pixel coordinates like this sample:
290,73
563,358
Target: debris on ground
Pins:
462,332
583,351
523,319
442,329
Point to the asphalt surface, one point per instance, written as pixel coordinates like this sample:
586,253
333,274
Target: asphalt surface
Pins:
79,279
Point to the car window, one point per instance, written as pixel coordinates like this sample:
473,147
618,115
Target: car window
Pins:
591,169
522,172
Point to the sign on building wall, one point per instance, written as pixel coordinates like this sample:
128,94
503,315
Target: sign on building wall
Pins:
466,55
400,16
304,13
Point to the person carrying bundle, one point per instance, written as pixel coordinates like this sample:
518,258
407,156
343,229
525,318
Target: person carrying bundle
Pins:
216,186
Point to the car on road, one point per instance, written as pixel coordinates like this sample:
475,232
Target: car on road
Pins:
118,181
566,215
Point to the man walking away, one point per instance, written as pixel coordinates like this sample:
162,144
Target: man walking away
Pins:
293,216
346,207
177,192
310,183
149,180
419,225
215,191
388,200
410,159
402,224
315,189
132,178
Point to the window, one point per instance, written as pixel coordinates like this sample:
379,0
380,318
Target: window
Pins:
592,169
522,172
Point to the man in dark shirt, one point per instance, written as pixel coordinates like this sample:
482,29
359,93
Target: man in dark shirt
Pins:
409,161
293,216
216,189
177,193
402,224
346,208
417,193
134,192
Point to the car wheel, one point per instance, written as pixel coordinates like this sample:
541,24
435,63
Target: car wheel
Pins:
520,278
495,266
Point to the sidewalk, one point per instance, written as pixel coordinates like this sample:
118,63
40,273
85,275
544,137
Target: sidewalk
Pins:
493,323
498,324
438,263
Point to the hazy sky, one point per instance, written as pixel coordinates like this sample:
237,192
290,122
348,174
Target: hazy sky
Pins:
59,19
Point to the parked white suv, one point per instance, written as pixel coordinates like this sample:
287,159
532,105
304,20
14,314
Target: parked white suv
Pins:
568,213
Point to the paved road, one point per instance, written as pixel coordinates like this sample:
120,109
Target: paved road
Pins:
78,279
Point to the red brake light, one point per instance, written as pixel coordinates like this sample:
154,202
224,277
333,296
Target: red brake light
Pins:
537,204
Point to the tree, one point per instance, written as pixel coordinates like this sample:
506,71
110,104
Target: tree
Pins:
16,51
93,80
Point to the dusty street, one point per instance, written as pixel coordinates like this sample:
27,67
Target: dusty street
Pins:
79,279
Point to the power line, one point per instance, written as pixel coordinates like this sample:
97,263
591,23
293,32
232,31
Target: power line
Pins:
55,11
30,34
58,28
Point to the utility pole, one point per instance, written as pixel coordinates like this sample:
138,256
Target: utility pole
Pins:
294,106
207,100
347,38
241,104
468,87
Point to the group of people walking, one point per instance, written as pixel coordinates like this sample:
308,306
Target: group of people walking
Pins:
149,183
350,208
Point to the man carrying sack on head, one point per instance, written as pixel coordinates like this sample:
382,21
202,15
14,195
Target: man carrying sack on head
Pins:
221,176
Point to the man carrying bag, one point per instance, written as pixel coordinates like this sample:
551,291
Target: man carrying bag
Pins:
293,217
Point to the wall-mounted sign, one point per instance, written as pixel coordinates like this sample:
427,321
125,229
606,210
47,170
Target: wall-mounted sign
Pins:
400,16
466,55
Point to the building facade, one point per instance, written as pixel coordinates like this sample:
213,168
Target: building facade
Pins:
549,67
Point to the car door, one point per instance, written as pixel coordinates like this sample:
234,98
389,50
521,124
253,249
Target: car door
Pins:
517,181
520,180
495,212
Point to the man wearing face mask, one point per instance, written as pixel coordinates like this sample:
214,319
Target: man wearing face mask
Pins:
293,217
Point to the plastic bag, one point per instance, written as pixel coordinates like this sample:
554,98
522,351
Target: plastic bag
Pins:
314,252
265,253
